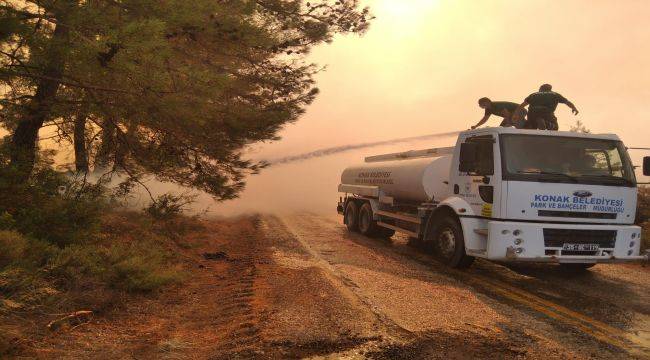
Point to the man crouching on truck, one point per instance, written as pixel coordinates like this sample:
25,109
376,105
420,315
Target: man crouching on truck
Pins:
504,109
541,108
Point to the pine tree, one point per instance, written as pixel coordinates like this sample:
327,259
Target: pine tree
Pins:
172,88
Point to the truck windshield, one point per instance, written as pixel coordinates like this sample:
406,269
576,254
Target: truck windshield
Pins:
565,159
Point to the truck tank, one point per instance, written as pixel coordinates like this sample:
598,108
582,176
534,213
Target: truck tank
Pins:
412,179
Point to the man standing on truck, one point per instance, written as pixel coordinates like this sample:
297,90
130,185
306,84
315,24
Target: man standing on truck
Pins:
541,108
504,109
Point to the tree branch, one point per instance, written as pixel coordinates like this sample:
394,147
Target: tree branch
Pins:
76,84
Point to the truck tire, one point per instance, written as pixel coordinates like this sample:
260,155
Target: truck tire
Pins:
367,226
352,216
448,243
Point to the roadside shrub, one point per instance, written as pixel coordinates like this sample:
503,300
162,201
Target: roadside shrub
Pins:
136,267
52,207
22,281
6,221
12,247
177,228
21,251
12,281
140,267
22,289
168,206
75,263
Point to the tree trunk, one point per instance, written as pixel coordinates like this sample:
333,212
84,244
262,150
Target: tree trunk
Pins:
106,147
25,137
80,150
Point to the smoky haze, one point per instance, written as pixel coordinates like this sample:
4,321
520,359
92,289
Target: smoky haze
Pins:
296,183
308,182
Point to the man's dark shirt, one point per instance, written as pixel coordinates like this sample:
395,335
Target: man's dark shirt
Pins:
497,107
545,101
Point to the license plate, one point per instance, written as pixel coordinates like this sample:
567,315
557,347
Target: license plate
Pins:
580,247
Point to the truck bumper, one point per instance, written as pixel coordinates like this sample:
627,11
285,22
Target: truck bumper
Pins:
563,243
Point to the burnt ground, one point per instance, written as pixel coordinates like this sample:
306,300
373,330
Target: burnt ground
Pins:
301,286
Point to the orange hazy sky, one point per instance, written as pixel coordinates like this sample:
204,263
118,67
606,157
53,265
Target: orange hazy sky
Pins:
424,63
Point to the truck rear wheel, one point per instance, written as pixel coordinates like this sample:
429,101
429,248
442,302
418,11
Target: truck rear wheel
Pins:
448,243
352,216
367,225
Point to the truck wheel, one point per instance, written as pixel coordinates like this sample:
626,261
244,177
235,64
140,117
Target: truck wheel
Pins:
449,244
367,226
352,216
576,268
416,243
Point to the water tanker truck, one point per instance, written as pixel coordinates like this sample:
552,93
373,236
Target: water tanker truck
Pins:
503,194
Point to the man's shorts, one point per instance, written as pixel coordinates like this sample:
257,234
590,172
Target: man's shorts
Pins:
543,120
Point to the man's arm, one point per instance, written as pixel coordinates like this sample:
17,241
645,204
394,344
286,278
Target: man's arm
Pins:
483,120
574,110
568,103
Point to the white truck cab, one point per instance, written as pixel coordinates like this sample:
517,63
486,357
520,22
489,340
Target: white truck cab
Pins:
504,194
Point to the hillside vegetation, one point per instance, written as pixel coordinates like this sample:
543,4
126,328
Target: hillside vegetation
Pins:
67,246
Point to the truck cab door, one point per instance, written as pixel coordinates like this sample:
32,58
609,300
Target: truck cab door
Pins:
475,180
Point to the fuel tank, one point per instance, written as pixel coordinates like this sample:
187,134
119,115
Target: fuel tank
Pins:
420,180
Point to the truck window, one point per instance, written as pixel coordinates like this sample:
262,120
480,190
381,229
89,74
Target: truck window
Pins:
478,158
565,159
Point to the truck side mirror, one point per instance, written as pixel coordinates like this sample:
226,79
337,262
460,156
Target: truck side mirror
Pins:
646,165
468,156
